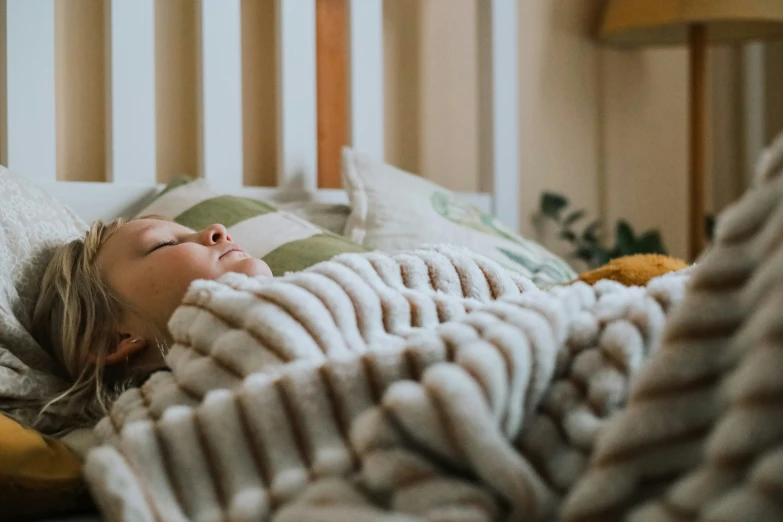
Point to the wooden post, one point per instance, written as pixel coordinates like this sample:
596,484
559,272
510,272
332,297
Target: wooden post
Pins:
697,46
331,21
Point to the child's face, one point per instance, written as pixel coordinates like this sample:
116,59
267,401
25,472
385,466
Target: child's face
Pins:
151,263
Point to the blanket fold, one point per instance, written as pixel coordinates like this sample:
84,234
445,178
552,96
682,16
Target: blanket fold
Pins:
702,435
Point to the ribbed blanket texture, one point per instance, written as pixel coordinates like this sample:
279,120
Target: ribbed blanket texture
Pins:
435,385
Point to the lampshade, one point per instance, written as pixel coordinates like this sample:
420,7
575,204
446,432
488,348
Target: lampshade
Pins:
666,22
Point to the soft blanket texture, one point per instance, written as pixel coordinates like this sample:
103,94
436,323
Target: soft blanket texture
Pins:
428,384
702,435
434,385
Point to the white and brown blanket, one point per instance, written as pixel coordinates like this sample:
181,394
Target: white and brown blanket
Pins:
434,385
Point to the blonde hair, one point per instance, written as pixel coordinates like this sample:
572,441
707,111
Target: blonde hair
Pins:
76,318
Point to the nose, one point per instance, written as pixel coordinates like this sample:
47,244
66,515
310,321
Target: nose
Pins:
214,234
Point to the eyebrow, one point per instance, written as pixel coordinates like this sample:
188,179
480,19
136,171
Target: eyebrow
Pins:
146,227
140,247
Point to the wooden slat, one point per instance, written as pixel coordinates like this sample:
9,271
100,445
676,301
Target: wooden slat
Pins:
331,22
31,88
297,135
499,127
259,88
131,155
366,73
221,92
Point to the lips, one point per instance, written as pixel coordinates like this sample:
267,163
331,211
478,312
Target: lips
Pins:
232,249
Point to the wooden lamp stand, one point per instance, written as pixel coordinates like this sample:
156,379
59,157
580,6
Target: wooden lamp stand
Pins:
697,50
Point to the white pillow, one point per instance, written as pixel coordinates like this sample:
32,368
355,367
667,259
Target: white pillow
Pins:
393,210
32,223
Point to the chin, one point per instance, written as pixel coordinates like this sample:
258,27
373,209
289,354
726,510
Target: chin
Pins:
253,267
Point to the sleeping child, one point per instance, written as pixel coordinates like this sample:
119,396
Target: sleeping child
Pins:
369,369
106,298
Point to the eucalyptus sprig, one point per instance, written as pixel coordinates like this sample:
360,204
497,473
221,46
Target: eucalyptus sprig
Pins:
588,243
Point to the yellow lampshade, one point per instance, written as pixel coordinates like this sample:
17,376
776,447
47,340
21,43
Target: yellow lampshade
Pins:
666,22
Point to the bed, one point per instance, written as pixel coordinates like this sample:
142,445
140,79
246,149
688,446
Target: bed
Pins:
330,94
350,86
562,358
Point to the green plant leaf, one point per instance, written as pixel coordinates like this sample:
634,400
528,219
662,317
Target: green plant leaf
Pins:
709,227
573,217
601,258
590,234
650,243
568,235
625,242
586,254
552,204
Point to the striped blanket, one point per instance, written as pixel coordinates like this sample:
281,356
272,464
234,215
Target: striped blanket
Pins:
434,385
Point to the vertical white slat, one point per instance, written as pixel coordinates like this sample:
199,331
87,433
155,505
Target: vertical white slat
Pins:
31,88
366,72
131,69
221,95
499,117
296,83
754,102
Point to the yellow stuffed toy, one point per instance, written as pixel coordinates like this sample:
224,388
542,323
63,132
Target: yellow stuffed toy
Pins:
636,270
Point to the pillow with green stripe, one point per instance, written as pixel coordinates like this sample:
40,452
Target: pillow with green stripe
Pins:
286,242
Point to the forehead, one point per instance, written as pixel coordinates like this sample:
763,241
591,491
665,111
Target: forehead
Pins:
140,227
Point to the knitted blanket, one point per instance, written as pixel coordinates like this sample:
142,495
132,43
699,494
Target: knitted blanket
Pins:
431,384
702,435
434,385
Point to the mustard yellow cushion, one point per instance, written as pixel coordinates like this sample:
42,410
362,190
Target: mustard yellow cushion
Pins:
39,476
636,270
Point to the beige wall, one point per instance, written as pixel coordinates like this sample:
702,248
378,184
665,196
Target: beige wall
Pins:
605,127
80,93
560,110
177,123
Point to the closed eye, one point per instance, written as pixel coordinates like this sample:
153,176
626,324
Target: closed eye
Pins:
161,245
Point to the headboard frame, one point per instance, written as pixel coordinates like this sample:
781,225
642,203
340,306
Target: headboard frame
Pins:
313,73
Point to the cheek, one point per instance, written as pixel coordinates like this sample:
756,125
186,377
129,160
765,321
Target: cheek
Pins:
184,265
173,271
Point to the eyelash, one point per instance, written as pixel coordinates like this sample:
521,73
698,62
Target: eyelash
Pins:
167,243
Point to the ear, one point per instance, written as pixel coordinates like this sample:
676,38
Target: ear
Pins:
127,346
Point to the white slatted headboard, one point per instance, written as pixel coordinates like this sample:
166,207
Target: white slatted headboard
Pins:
130,70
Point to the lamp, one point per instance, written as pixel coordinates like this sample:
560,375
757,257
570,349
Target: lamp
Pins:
695,22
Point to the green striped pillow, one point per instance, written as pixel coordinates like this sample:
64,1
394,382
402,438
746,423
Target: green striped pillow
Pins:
286,242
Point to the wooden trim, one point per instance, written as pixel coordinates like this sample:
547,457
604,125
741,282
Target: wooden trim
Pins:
697,44
331,22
